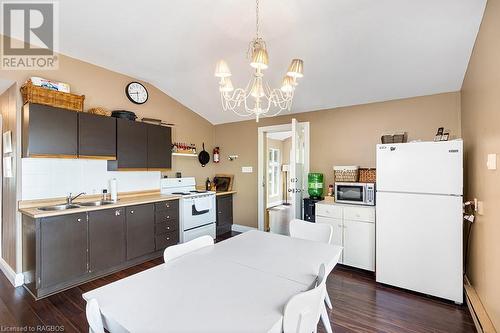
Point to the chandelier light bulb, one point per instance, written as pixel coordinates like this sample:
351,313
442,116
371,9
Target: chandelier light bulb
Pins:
260,59
287,85
226,85
296,69
222,69
257,90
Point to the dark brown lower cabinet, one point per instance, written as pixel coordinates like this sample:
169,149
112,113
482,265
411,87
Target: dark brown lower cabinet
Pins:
224,205
106,238
140,230
63,248
67,250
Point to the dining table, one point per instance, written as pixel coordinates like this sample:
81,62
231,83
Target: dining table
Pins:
241,284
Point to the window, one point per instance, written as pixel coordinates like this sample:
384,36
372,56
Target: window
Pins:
274,172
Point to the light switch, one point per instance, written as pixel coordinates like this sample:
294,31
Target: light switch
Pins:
480,208
247,169
492,162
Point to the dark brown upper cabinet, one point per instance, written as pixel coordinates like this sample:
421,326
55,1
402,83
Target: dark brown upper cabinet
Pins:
159,147
142,146
96,136
49,131
131,145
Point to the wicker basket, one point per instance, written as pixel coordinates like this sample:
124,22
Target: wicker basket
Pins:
367,175
39,95
346,173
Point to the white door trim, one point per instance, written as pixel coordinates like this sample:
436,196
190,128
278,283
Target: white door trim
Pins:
260,162
260,167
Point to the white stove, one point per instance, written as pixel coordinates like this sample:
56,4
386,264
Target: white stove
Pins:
196,208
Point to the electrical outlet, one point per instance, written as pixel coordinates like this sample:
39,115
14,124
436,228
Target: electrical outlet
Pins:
491,163
475,204
247,169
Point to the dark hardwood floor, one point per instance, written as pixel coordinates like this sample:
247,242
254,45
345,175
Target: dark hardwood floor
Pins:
360,305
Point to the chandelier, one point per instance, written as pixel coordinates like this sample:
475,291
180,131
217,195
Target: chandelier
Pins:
257,98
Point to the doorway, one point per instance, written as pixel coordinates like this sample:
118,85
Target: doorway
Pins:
283,164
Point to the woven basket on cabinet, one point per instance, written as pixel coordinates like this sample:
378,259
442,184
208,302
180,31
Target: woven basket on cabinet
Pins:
39,95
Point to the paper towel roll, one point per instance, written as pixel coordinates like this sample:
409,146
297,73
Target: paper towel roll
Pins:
112,189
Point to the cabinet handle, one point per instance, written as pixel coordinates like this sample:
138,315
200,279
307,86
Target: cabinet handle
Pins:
168,238
168,216
79,220
117,213
167,205
168,228
131,212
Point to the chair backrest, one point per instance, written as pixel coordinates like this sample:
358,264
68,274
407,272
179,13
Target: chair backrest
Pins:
178,250
302,312
94,316
319,232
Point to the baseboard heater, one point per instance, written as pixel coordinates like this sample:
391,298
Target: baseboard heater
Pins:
477,311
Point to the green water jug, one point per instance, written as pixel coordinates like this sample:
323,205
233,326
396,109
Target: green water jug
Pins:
315,185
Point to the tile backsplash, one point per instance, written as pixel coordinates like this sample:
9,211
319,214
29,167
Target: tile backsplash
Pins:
51,177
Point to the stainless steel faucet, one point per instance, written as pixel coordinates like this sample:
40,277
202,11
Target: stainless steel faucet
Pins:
69,198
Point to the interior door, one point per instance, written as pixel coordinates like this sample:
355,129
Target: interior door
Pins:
298,167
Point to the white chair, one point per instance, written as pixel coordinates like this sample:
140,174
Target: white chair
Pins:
94,316
302,311
318,232
178,250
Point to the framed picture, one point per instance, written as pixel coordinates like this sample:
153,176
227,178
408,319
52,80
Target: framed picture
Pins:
224,183
7,142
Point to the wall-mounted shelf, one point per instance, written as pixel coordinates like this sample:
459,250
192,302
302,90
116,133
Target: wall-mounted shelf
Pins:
187,155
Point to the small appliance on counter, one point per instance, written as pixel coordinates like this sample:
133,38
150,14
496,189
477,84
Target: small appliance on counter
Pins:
355,193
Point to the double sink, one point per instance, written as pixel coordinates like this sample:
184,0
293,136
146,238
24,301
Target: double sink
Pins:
77,205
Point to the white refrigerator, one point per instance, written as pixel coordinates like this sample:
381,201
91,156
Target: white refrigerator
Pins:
419,217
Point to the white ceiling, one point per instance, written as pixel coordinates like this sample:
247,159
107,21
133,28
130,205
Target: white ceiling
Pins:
355,51
279,135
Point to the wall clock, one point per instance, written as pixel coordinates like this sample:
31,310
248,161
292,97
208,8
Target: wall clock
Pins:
136,93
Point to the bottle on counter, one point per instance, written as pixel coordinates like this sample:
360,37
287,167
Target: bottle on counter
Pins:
208,184
330,190
113,189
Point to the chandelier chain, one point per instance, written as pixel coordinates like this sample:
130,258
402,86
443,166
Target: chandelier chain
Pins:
257,26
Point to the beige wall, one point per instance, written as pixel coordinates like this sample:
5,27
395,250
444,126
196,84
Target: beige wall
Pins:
341,136
106,88
481,131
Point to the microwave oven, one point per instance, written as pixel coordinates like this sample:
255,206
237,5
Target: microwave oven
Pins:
355,193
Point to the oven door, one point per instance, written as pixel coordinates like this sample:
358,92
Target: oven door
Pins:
193,218
350,193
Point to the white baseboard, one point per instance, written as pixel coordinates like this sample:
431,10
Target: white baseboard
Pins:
241,228
17,280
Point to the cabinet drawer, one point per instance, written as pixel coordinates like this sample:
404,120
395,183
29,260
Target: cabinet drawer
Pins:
166,226
365,214
166,215
329,211
167,205
166,240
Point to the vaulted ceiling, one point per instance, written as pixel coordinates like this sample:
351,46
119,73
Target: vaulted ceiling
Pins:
355,51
